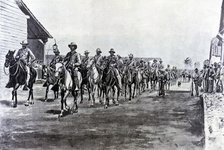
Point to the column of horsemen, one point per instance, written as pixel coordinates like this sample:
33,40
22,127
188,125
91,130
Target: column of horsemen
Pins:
102,75
126,71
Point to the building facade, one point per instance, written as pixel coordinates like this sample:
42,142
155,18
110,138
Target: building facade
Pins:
17,23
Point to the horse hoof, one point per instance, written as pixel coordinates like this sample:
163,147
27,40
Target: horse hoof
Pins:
31,103
26,104
75,111
116,104
105,107
14,106
60,115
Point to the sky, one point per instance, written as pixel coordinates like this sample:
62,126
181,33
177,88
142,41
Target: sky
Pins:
170,29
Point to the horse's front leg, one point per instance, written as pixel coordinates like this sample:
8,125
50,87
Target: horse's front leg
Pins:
65,100
118,94
62,103
74,94
125,91
47,89
133,94
14,96
81,93
130,89
106,102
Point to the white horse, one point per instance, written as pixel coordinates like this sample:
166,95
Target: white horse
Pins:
67,87
94,81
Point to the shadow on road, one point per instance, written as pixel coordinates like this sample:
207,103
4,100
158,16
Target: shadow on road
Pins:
8,103
43,100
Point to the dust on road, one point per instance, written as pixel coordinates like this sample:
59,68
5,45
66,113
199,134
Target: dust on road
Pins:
148,122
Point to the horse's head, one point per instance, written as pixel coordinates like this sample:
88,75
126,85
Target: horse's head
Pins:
59,69
9,57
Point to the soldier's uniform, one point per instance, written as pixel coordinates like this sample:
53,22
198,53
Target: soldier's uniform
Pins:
98,60
57,58
160,66
72,62
196,80
131,64
26,56
85,60
113,64
154,67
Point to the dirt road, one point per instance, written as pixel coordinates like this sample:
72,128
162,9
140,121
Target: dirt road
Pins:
148,122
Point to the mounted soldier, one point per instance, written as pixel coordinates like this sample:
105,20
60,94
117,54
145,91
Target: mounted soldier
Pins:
112,63
154,66
26,56
57,58
85,60
131,64
120,64
50,73
98,60
72,62
160,65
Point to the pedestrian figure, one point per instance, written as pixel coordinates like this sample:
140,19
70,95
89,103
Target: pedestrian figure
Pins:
196,82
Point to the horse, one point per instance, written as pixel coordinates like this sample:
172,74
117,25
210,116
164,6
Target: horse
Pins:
94,80
109,82
154,79
50,80
67,86
18,76
162,79
143,80
85,81
125,80
132,79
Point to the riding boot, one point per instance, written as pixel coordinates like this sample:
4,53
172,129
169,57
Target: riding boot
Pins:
9,84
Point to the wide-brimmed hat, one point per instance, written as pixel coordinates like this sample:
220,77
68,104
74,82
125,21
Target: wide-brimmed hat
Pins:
86,52
72,44
111,50
130,55
24,42
98,50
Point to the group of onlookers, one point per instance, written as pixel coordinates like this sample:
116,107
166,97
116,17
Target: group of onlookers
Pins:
210,79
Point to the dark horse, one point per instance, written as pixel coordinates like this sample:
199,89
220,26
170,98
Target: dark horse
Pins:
109,83
18,75
50,80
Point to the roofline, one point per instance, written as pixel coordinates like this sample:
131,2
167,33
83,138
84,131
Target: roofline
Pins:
22,5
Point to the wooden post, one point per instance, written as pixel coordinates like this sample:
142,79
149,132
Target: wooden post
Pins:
44,42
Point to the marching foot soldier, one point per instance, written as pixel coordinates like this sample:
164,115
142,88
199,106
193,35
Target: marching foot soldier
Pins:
26,56
72,62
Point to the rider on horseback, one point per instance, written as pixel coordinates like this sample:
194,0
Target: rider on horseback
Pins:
98,62
26,56
72,62
112,61
131,64
57,58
